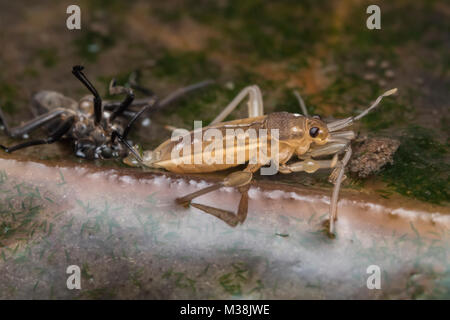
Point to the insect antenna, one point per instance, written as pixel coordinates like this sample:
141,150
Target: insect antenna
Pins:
301,103
340,124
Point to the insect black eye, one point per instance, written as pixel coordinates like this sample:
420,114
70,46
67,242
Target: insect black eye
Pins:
314,132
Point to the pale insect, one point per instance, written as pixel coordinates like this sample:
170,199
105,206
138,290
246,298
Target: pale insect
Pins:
308,138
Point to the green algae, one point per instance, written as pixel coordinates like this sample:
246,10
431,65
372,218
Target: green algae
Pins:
8,96
89,44
420,168
48,57
189,65
266,30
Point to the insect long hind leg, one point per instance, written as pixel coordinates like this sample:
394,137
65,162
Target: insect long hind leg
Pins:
240,180
32,124
337,185
255,104
186,200
58,133
228,217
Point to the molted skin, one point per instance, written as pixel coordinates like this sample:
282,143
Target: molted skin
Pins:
294,138
93,142
89,141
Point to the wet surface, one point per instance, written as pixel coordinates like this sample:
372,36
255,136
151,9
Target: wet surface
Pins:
131,240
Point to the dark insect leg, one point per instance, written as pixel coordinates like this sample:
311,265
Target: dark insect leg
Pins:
113,89
98,108
121,138
30,125
57,134
136,116
133,81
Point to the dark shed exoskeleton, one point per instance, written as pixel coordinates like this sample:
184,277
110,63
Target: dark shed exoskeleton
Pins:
97,129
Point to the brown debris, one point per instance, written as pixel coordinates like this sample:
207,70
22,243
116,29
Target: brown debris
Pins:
371,154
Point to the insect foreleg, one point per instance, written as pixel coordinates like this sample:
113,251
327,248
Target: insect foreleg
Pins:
325,150
308,165
338,173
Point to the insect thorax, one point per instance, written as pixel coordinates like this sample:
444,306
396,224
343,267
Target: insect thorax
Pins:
290,126
93,142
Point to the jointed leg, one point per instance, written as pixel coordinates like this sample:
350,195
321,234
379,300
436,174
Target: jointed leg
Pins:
113,90
57,134
240,180
328,149
337,176
133,81
227,216
98,107
308,165
117,135
123,137
30,125
126,131
255,104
